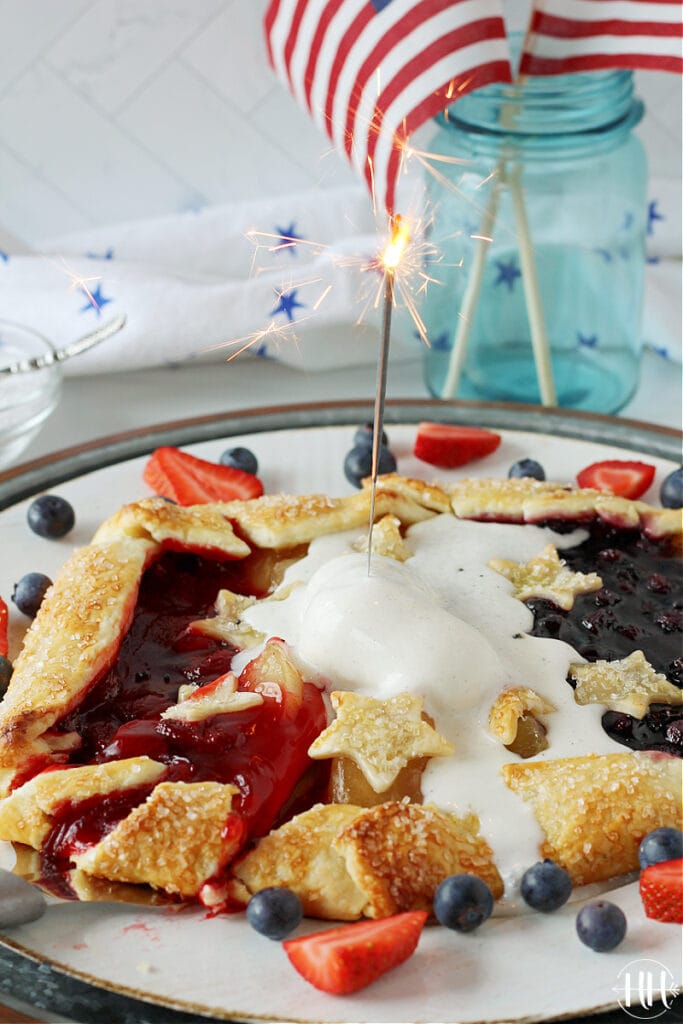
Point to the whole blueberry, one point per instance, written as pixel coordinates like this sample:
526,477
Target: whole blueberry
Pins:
29,592
545,886
363,436
274,912
462,902
240,458
659,845
601,925
50,516
526,467
358,463
5,674
671,491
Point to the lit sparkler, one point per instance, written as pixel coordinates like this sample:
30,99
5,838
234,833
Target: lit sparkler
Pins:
390,261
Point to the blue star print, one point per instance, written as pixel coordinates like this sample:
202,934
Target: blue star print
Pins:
96,300
441,343
588,341
507,273
288,238
605,253
287,304
4,256
108,254
652,215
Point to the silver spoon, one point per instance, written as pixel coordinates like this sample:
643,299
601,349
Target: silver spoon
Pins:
73,349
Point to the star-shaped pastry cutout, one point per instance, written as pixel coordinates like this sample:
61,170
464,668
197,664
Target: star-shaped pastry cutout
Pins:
227,624
380,736
546,576
216,698
629,685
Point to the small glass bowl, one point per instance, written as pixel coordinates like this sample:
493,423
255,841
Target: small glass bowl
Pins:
26,398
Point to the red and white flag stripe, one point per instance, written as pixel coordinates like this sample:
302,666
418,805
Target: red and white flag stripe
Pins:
588,35
370,73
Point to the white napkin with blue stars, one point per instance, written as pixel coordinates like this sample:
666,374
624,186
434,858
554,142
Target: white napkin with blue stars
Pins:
288,278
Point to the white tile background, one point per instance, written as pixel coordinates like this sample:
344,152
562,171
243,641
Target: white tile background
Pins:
120,109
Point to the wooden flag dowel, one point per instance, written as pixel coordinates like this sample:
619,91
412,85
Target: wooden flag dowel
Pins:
532,291
470,299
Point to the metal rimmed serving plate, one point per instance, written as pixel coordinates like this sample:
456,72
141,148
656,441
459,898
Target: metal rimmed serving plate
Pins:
38,475
105,474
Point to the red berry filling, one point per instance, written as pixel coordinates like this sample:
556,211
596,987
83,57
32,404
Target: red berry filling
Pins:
262,750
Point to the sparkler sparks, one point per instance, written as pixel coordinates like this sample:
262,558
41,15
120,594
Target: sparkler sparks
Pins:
78,281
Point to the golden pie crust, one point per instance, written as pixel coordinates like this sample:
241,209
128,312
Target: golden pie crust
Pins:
345,861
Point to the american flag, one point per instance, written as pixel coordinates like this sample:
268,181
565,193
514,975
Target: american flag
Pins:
371,72
589,35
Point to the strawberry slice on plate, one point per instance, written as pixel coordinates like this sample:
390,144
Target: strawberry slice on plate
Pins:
661,890
345,959
625,478
189,480
447,445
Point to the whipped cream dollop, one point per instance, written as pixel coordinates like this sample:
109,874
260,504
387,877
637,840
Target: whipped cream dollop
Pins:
443,626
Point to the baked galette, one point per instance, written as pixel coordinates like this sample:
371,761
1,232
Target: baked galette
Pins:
220,698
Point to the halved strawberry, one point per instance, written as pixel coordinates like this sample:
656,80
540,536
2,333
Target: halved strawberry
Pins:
622,477
4,648
447,445
661,890
352,956
193,481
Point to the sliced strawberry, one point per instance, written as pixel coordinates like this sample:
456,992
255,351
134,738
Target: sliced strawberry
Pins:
348,958
622,477
192,481
4,648
661,890
447,446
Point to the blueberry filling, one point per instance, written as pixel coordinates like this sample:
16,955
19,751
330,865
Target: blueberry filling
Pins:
639,607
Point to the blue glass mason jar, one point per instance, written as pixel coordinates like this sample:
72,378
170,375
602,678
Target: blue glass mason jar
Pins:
565,145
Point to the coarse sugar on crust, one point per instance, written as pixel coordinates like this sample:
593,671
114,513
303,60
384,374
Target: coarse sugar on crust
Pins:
284,521
628,684
511,705
182,835
398,854
345,861
595,810
26,814
198,528
73,639
301,856
546,575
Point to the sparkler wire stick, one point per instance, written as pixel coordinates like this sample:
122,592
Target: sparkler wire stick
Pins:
380,396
